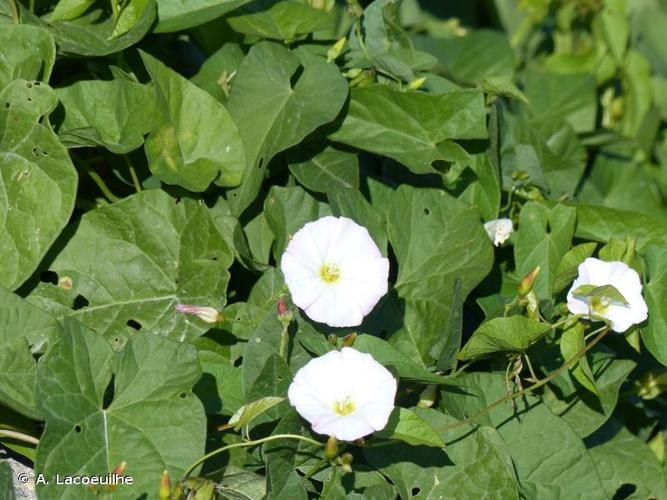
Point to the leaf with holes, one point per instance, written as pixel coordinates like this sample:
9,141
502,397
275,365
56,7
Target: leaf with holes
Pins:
26,52
130,263
37,180
101,411
273,112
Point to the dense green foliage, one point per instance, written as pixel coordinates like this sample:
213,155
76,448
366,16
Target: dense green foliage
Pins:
163,152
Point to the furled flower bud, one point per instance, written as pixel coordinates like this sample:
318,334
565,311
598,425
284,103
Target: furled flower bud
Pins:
208,314
165,486
331,449
336,49
348,340
346,460
427,396
526,284
651,384
416,84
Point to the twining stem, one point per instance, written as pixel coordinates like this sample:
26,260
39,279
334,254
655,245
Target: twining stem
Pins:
284,341
602,332
133,174
250,443
19,436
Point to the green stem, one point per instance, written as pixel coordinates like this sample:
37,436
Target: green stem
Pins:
602,332
133,174
19,436
96,178
284,341
250,443
315,468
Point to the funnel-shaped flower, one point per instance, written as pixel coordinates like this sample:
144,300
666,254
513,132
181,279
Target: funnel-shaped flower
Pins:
499,230
335,271
623,278
345,394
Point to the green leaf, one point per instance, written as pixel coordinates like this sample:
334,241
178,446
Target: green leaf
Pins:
92,34
655,294
327,169
115,114
26,52
611,448
218,71
544,238
282,457
534,435
9,13
37,179
219,388
571,343
130,263
555,97
287,210
582,410
483,191
7,481
175,15
130,13
600,223
603,292
24,329
69,9
502,86
615,27
351,203
241,484
437,240
153,421
273,113
390,357
244,415
474,57
195,140
568,269
471,467
512,334
413,128
285,20
406,425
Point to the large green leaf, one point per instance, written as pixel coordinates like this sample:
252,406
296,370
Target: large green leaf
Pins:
9,12
287,210
37,180
611,448
512,334
655,293
325,170
176,15
406,425
93,33
544,238
472,58
130,263
584,411
413,128
562,97
195,140
24,329
274,113
149,418
473,466
549,458
284,20
437,240
26,52
115,114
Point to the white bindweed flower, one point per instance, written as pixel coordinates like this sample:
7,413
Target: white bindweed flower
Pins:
345,394
335,271
499,230
622,277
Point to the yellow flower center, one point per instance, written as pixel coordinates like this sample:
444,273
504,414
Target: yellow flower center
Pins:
599,305
330,273
344,407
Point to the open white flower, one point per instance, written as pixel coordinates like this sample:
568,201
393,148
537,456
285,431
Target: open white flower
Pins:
598,273
499,230
346,394
335,271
